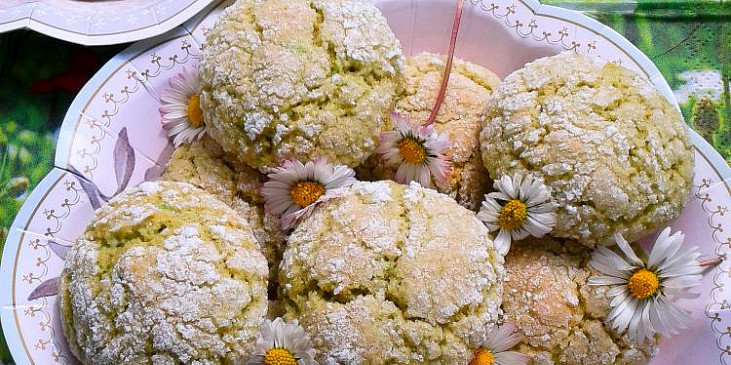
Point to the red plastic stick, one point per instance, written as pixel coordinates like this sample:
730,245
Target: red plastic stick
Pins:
448,66
711,262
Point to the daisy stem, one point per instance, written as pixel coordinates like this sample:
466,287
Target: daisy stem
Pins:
711,262
448,66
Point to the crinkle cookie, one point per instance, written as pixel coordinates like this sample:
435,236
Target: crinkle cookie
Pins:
204,164
390,273
547,297
319,84
164,274
469,88
614,151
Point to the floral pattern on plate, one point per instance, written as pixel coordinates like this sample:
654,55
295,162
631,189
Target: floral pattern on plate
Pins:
112,138
99,22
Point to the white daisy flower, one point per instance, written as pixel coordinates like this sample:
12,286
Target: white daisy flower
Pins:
281,343
416,150
641,291
181,112
294,189
494,351
526,209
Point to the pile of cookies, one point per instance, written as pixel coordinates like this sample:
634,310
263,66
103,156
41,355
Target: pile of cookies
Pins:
318,209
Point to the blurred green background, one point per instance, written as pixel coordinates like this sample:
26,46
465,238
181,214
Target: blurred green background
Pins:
689,41
39,78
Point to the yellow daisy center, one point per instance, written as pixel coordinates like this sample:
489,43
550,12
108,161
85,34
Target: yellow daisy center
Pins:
483,357
195,113
512,215
279,356
412,151
305,193
643,284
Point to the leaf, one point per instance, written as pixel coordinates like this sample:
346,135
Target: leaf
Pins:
154,172
124,160
89,188
165,154
47,288
59,249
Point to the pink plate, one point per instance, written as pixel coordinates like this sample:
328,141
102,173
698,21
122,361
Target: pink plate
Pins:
112,138
98,22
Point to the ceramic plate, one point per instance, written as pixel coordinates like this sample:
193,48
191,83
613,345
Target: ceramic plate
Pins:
98,22
112,138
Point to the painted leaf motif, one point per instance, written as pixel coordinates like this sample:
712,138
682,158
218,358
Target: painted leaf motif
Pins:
124,160
60,250
154,172
89,188
47,288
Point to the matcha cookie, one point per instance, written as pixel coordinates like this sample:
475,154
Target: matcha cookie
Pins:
561,317
164,274
319,84
469,88
614,152
205,165
390,273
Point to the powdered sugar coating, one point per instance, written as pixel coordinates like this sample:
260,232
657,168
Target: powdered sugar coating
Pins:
614,151
459,118
562,318
392,273
317,85
205,165
164,274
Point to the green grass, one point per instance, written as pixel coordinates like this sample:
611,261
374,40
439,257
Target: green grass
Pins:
679,36
25,158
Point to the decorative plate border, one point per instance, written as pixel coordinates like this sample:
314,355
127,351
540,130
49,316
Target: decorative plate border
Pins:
718,309
99,27
42,226
49,252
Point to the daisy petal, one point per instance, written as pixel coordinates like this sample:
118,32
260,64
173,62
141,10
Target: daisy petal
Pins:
606,280
522,194
609,263
434,164
660,248
424,177
511,358
535,225
502,338
499,195
502,242
289,336
622,314
184,88
678,273
505,184
618,294
278,191
627,250
519,233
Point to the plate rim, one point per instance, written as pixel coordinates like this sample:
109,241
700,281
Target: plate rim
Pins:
135,34
8,322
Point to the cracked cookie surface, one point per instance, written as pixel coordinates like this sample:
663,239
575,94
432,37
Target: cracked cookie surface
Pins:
562,318
165,273
459,118
615,153
390,273
320,84
204,165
